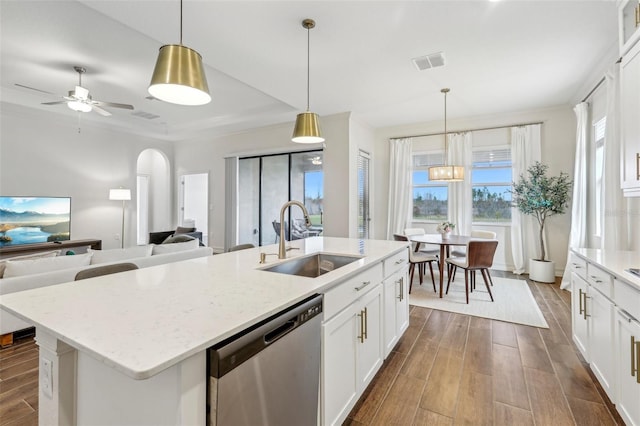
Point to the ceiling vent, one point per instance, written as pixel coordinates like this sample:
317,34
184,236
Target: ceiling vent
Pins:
146,115
429,61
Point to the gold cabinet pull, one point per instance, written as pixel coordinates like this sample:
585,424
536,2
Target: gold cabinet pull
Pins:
637,11
399,261
584,311
580,292
633,356
401,291
366,325
364,284
362,331
638,154
637,361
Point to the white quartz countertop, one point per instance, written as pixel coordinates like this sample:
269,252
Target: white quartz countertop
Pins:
144,321
616,262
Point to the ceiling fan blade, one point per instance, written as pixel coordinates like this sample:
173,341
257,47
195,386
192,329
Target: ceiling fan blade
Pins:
33,88
101,111
54,103
112,105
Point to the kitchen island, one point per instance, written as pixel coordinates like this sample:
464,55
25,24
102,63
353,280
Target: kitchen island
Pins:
131,348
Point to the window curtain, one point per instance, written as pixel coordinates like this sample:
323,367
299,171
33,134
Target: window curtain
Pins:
615,235
460,197
399,186
578,234
525,151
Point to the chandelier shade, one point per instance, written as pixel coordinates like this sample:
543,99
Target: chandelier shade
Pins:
179,77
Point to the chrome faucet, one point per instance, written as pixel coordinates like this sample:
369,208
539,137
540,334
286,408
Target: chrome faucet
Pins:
282,254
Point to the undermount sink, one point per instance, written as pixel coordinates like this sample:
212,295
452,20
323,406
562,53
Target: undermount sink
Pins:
314,265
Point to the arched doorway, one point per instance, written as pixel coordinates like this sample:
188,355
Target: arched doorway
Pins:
154,194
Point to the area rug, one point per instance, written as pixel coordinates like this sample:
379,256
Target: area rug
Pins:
513,300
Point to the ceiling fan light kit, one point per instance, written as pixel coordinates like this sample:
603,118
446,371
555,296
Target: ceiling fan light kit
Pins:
307,127
445,172
178,76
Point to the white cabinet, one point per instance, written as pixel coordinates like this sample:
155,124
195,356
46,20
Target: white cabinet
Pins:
352,354
396,299
630,125
600,315
628,362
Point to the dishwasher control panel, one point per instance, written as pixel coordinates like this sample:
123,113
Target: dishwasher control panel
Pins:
310,313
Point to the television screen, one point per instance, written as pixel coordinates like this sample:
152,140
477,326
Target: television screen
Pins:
29,220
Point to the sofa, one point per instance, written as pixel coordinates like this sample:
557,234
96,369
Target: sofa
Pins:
50,269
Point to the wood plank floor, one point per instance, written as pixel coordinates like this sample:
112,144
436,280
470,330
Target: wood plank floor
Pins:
456,369
447,369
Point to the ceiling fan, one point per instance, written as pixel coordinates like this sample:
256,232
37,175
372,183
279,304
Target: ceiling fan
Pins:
80,100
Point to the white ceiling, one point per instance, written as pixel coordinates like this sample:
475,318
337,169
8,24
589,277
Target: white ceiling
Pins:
502,56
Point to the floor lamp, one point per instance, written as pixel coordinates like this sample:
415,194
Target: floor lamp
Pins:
124,195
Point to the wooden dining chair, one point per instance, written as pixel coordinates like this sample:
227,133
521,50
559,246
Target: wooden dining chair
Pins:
420,259
479,258
462,251
426,248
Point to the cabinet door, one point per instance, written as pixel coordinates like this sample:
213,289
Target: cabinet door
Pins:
579,322
601,332
369,347
630,110
402,313
339,382
390,313
628,395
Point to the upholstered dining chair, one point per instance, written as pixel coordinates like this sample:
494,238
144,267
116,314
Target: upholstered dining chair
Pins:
462,251
426,248
240,247
479,258
420,259
105,270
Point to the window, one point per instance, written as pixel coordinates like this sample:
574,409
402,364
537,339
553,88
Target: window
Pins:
430,199
598,137
491,180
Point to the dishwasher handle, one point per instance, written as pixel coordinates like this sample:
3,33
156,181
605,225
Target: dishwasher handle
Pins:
278,332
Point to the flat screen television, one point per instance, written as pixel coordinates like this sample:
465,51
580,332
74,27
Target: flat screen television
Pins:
30,220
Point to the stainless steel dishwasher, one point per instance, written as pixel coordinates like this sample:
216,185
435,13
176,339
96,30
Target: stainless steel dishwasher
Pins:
270,373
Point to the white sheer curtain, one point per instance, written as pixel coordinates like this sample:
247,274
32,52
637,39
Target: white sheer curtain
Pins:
578,234
399,186
525,151
460,199
615,234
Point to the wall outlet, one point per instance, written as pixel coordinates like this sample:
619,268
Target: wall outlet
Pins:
46,377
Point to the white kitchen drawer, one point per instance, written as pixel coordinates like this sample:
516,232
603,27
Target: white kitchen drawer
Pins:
578,265
396,262
600,279
627,298
345,293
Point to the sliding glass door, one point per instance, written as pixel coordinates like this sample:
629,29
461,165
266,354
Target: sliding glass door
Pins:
266,182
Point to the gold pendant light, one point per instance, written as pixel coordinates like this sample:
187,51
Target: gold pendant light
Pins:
307,128
179,77
446,173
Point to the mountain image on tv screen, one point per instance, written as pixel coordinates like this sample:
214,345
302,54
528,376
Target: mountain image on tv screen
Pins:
30,220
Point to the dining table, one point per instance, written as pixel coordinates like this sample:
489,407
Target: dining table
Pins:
444,243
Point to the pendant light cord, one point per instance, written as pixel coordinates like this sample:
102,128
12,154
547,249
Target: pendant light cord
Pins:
446,140
180,22
308,66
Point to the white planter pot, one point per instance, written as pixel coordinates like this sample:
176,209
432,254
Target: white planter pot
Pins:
543,272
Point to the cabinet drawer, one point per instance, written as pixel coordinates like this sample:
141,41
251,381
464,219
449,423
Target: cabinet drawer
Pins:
348,291
396,262
578,265
627,298
600,279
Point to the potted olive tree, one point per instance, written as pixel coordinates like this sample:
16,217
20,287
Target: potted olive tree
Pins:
541,196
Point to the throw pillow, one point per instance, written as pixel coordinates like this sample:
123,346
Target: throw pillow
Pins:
3,263
180,238
183,230
115,255
45,264
172,248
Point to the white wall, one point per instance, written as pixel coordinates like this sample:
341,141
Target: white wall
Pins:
558,150
42,154
208,154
